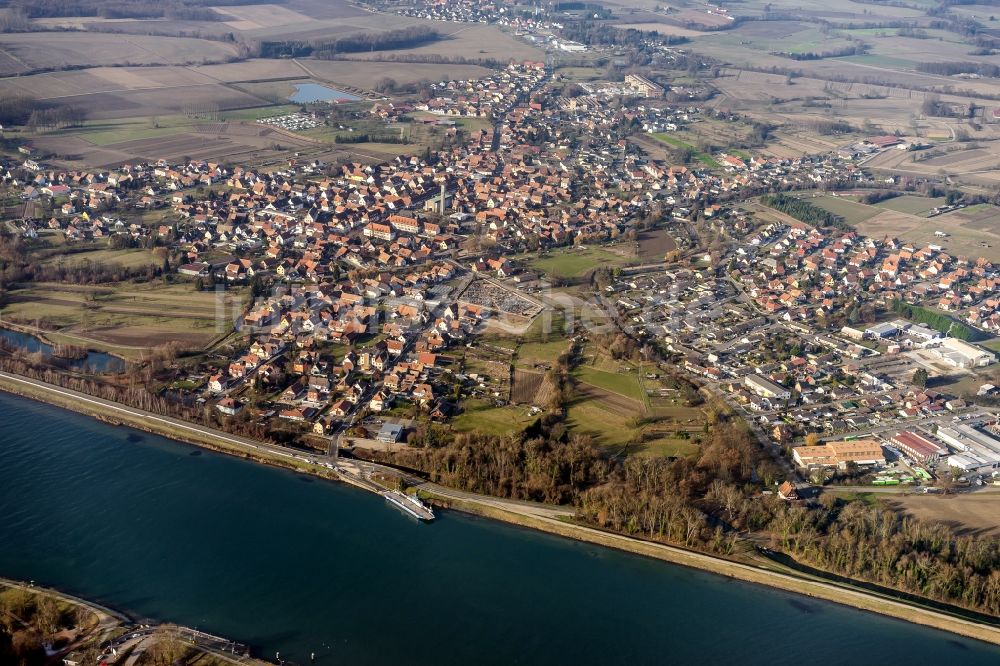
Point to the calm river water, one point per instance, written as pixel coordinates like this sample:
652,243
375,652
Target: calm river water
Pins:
292,564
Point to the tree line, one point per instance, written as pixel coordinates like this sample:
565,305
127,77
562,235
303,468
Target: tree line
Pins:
16,110
953,68
121,9
936,320
402,38
803,210
429,58
859,49
369,138
879,196
882,546
56,117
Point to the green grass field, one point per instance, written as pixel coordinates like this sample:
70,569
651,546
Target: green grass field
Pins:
977,209
666,446
575,262
852,211
879,61
480,415
500,340
615,382
530,353
107,132
671,140
912,204
125,318
607,427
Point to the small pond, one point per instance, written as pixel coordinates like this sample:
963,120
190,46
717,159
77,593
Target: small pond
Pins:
97,362
308,93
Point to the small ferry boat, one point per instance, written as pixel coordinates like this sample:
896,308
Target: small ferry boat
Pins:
409,504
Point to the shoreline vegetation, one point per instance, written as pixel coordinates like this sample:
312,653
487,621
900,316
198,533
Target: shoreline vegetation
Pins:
80,630
538,517
40,334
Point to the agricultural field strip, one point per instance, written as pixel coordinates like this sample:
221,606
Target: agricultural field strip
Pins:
624,385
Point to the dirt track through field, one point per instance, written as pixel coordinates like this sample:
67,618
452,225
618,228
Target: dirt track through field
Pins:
144,337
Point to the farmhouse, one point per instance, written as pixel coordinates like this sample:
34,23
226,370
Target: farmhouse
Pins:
886,141
787,491
194,270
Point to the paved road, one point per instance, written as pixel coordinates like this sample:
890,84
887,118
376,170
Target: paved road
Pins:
991,492
516,506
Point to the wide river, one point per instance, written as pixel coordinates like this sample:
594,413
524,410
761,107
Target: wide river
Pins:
292,564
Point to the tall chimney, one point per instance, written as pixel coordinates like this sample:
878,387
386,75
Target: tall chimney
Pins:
443,202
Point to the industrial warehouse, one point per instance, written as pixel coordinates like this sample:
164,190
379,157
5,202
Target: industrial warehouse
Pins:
963,447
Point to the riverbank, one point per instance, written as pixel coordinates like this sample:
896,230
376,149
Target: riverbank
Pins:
120,638
117,414
855,598
107,617
43,336
539,517
85,356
